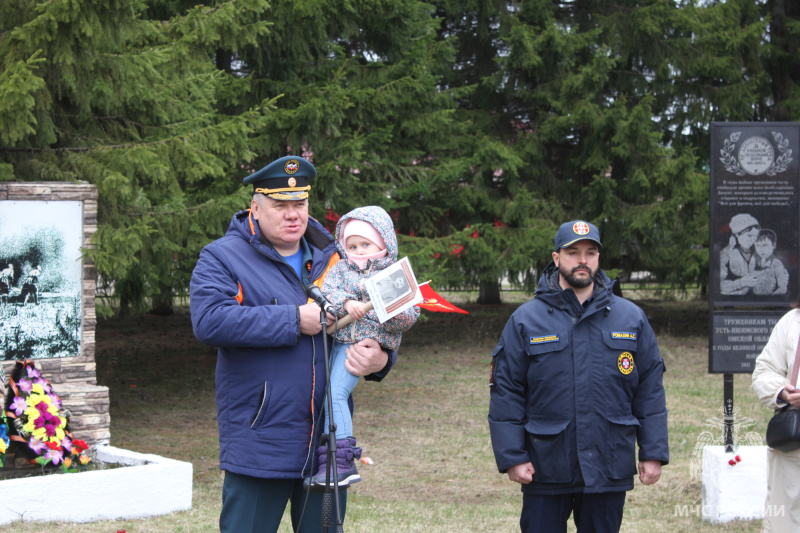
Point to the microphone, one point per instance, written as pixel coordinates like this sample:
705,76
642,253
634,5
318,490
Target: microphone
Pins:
313,292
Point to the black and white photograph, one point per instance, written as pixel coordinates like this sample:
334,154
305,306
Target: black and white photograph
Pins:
750,264
40,279
393,287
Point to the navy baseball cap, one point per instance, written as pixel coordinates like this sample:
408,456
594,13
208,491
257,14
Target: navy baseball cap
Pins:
287,178
571,232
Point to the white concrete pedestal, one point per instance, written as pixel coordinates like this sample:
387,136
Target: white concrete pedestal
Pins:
731,492
150,486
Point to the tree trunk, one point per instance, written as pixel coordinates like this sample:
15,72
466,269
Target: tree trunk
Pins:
223,60
162,302
784,64
489,292
617,289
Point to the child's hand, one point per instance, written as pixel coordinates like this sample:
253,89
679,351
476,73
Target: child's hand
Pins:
355,309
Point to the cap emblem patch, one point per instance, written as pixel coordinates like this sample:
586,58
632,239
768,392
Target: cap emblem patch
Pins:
292,182
580,228
291,166
625,363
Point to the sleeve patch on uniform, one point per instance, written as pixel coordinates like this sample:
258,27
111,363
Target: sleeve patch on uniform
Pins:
625,363
544,339
630,335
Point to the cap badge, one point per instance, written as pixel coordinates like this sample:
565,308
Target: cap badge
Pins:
291,166
580,228
292,182
625,363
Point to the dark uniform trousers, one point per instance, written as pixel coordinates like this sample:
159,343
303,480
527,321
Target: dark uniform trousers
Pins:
593,513
251,504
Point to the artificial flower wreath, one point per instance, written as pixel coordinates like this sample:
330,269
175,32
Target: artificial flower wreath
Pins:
39,424
4,441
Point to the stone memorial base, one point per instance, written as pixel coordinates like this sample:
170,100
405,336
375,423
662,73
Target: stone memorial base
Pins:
731,492
150,485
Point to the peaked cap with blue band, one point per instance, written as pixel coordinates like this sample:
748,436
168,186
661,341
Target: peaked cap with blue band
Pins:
287,178
571,232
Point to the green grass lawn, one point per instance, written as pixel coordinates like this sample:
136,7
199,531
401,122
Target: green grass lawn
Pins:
424,426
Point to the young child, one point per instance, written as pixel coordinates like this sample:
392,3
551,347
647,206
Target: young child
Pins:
367,244
772,275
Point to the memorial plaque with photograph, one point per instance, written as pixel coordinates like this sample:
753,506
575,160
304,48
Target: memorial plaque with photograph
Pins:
755,224
40,279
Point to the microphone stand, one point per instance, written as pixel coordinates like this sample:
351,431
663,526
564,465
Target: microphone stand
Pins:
331,473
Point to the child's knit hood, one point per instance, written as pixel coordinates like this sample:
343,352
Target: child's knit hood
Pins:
381,221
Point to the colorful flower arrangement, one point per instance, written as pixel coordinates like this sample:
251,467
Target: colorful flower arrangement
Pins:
40,423
4,440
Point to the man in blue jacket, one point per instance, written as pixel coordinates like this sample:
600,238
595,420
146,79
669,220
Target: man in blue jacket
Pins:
576,382
248,300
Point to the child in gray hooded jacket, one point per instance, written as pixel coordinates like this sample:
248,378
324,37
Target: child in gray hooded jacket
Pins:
366,242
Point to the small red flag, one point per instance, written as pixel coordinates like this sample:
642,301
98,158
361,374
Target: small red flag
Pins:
432,301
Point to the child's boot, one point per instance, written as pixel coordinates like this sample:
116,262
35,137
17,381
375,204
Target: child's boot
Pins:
346,458
346,454
322,465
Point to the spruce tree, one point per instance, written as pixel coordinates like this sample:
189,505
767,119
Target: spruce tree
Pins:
361,94
481,125
93,91
575,119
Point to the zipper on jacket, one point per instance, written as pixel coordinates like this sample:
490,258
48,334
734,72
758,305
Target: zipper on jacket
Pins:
261,405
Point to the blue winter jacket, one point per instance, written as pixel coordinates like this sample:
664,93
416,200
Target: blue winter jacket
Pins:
270,379
574,388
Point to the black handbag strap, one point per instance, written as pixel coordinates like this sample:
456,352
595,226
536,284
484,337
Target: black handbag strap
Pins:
796,366
795,371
